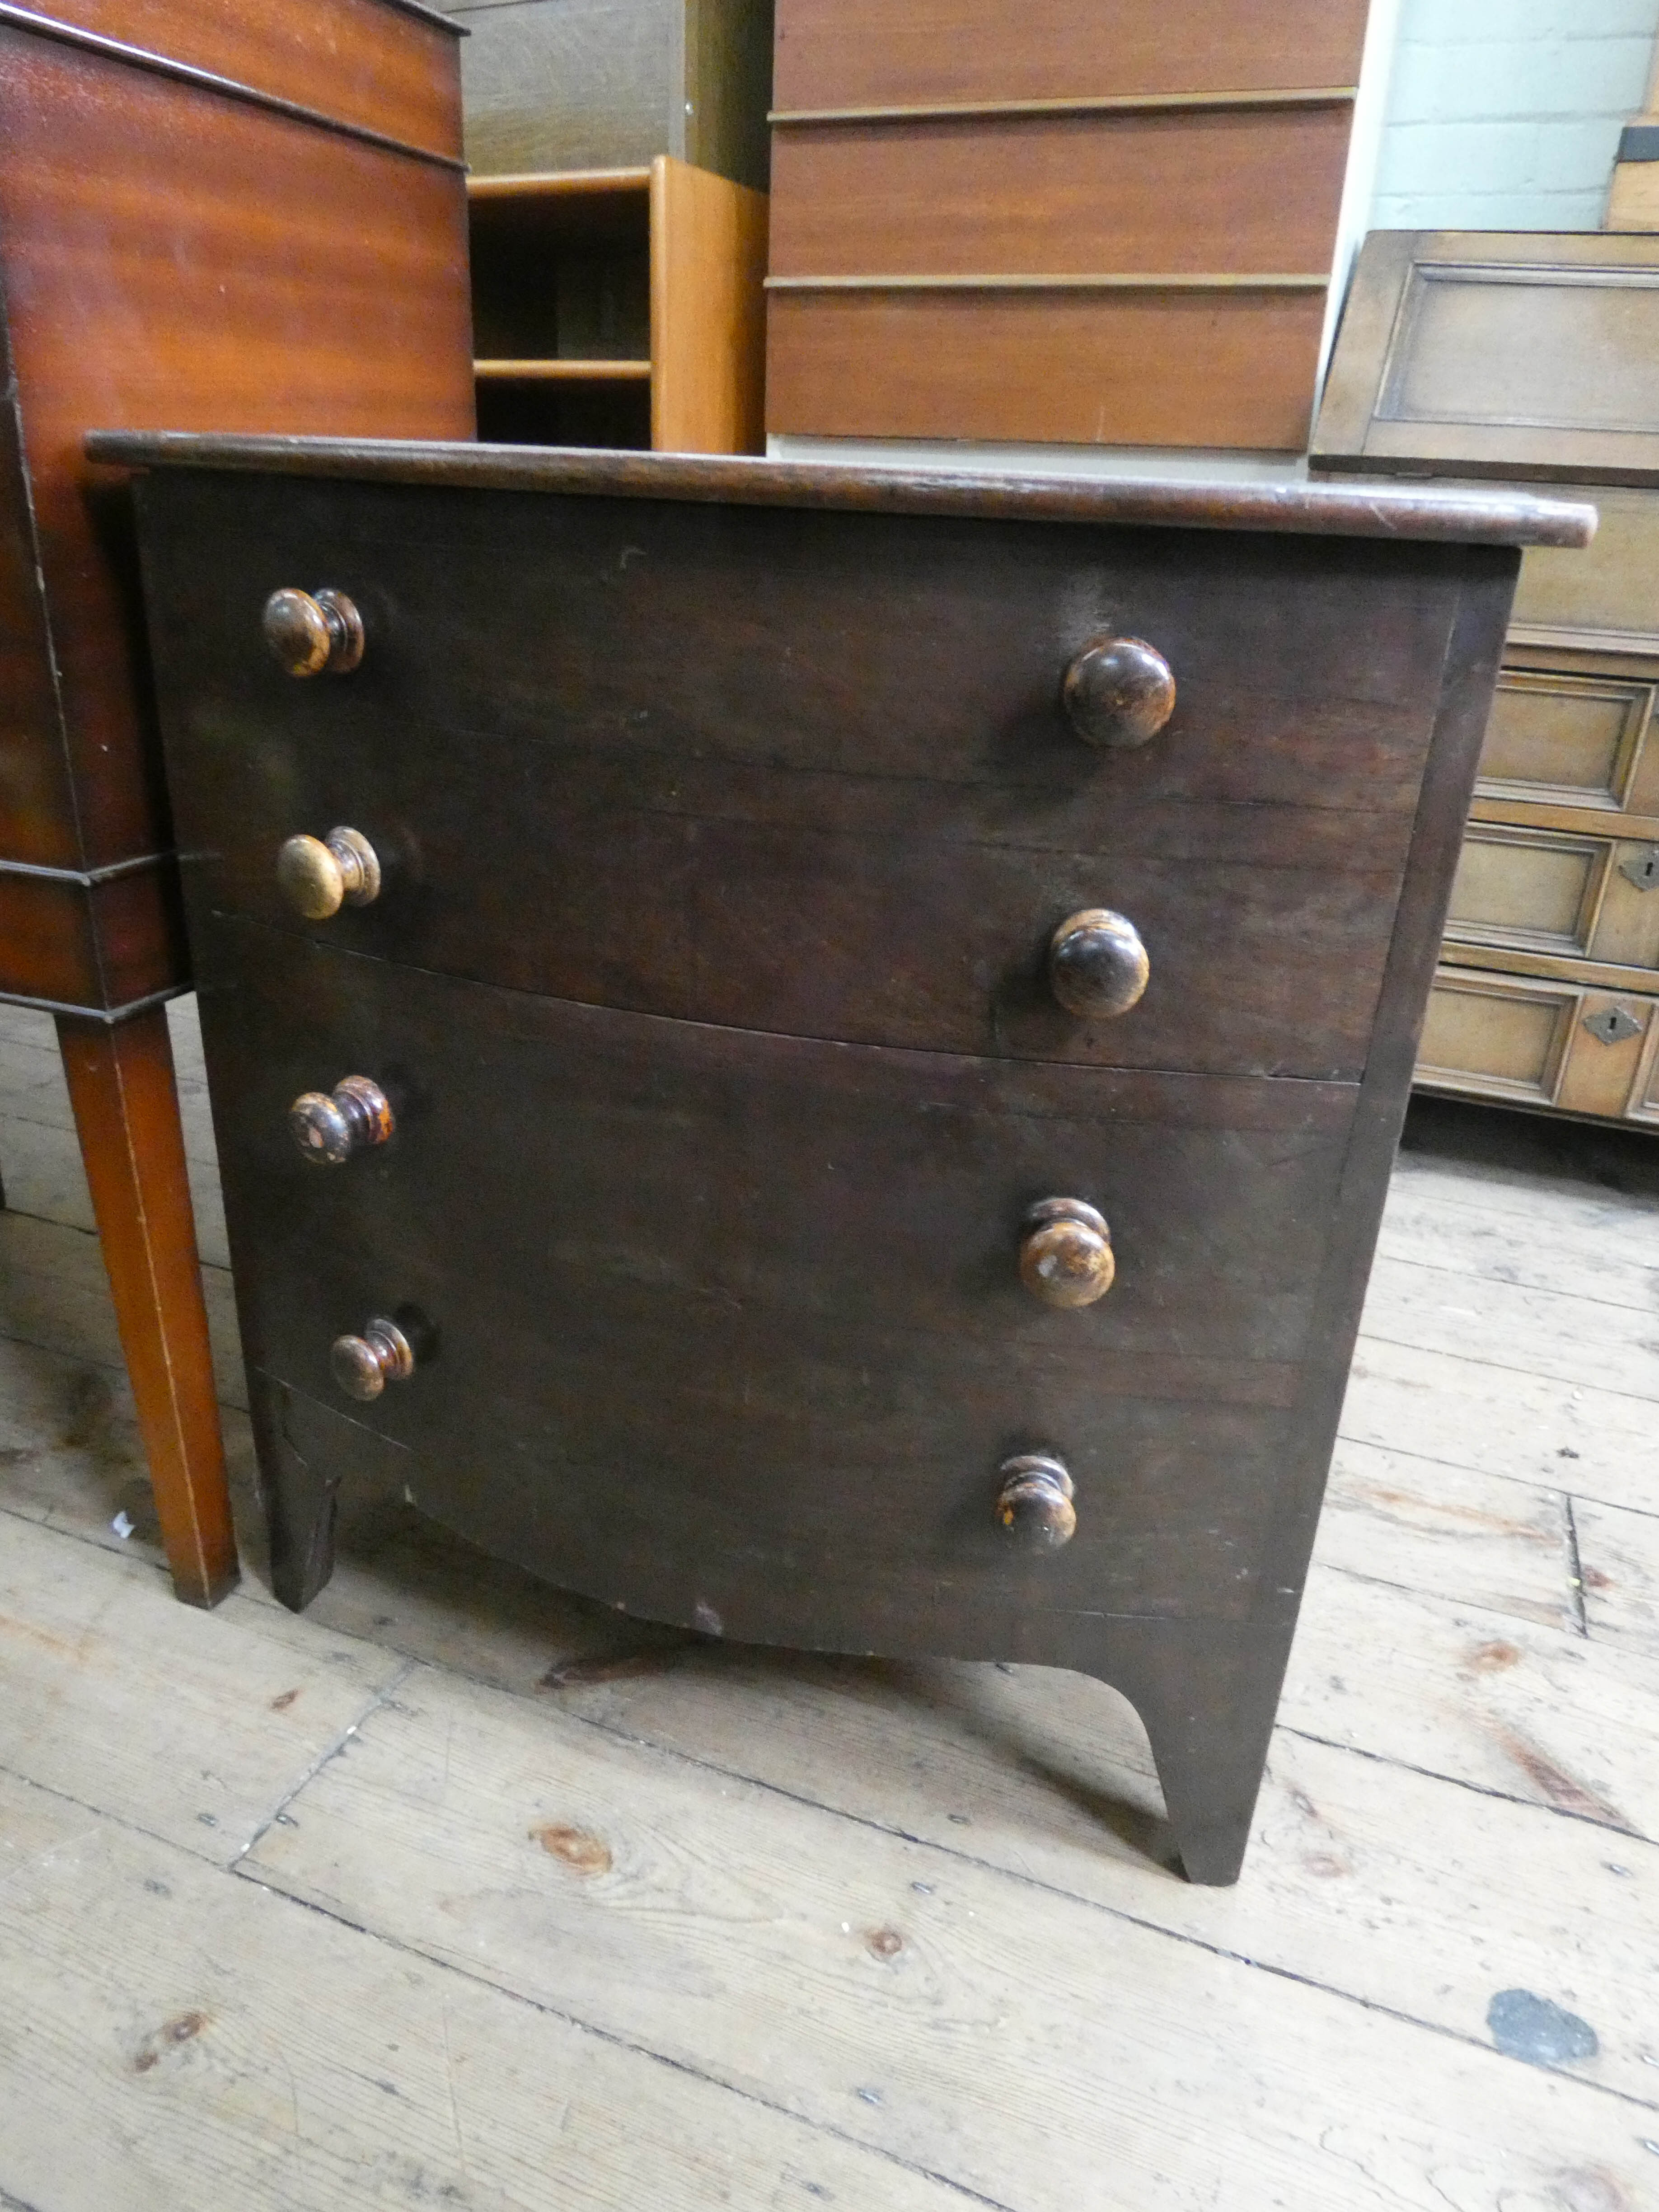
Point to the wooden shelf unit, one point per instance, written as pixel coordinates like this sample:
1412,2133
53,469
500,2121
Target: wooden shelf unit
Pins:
620,308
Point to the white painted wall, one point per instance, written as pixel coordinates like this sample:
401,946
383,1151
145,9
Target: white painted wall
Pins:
1504,114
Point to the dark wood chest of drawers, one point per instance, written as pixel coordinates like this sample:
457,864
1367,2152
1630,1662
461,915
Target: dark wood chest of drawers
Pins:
691,1104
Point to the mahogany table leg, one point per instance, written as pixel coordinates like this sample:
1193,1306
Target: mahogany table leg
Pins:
126,1113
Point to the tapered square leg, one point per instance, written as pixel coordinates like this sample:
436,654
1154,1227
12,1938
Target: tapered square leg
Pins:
299,1488
126,1115
1206,1692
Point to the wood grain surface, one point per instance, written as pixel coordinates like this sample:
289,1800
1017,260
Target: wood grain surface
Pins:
1241,190
1158,367
833,54
387,68
854,825
1482,516
814,1251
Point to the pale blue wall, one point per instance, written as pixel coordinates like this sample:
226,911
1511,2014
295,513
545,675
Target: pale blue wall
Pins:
1504,114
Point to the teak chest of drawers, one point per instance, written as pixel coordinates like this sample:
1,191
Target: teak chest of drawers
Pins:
851,1028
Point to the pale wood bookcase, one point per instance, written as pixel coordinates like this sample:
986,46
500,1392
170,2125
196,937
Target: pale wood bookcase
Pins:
620,308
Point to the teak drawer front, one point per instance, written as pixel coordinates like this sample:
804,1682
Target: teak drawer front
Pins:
1251,190
744,1292
853,53
1133,367
810,773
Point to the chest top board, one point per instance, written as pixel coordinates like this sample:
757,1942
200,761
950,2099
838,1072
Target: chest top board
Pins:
815,1054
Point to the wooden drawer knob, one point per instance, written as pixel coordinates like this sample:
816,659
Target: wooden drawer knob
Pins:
319,875
309,632
1118,691
1034,1505
1097,965
329,1126
1066,1258
364,1365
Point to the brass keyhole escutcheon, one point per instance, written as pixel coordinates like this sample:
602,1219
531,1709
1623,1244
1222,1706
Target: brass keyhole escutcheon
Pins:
330,1127
1035,1504
1066,1256
1118,692
314,632
318,876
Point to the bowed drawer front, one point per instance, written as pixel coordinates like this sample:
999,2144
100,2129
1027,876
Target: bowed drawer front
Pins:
816,1057
627,756
811,1265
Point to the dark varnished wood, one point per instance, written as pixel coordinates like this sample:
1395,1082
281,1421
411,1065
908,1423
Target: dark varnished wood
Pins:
1391,511
711,1202
876,842
730,1328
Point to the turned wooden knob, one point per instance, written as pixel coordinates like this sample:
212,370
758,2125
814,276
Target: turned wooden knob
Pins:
319,875
1034,1502
364,1365
310,631
1097,965
1118,691
1066,1257
330,1126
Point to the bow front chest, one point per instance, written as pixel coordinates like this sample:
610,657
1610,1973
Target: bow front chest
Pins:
816,1054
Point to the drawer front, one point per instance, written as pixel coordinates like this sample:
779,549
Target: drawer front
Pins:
888,363
755,1302
860,53
1589,898
1536,1043
1047,195
809,773
1609,588
1557,738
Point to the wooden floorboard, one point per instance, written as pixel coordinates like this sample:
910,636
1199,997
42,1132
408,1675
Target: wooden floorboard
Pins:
191,2042
460,1891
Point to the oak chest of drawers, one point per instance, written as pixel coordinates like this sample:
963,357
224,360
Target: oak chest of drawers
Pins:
1529,356
814,1053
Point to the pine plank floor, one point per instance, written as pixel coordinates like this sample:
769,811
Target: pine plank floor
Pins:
457,1892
